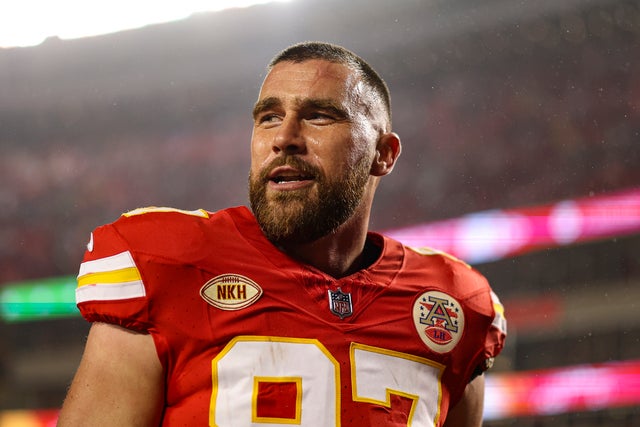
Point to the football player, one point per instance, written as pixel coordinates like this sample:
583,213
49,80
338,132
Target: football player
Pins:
292,312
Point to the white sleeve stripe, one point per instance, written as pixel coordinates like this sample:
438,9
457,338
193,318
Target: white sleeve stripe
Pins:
499,320
114,262
110,292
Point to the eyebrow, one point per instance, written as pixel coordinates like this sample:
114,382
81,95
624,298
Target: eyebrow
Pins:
303,104
265,104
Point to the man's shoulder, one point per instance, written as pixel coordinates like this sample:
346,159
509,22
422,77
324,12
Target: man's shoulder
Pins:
428,254
421,259
458,280
171,232
163,219
447,268
162,216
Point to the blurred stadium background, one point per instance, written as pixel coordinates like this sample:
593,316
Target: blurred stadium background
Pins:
521,131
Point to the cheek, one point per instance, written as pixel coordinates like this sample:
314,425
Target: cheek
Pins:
360,148
341,164
365,131
259,152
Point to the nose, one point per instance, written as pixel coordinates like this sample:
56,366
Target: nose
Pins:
289,137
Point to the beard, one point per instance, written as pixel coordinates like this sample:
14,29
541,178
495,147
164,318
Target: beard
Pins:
299,216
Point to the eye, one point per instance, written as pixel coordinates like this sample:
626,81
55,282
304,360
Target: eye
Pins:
321,118
268,120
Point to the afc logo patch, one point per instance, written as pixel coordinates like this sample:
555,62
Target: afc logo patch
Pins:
439,320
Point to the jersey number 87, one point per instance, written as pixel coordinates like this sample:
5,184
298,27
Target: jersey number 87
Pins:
248,364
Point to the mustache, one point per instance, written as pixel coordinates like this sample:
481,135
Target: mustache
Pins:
288,160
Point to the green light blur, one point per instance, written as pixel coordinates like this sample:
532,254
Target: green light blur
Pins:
40,299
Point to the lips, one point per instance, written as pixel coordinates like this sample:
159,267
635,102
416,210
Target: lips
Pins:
288,174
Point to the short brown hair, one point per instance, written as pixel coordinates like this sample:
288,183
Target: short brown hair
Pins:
305,51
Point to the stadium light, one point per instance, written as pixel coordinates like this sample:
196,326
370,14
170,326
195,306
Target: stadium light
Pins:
38,299
475,238
509,395
502,233
30,22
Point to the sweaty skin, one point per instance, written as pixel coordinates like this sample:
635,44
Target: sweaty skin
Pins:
319,112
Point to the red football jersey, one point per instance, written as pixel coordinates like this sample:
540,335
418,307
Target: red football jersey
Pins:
248,335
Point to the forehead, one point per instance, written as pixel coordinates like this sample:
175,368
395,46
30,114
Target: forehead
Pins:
312,78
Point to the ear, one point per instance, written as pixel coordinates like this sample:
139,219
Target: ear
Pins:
387,152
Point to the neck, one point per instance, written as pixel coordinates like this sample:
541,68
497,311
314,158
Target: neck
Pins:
338,254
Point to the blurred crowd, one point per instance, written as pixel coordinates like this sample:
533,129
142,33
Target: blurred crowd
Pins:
500,113
523,114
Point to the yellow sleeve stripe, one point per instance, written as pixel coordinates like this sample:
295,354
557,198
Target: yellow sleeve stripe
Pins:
124,275
115,277
499,308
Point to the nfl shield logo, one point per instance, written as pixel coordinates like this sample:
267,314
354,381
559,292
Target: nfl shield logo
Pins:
340,303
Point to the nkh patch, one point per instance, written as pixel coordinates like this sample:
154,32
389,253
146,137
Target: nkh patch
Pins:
439,320
340,303
231,292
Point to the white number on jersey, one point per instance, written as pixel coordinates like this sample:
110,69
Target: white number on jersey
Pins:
376,374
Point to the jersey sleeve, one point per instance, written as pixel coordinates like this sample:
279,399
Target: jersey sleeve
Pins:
496,334
111,288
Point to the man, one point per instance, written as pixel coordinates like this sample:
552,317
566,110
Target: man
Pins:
298,315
